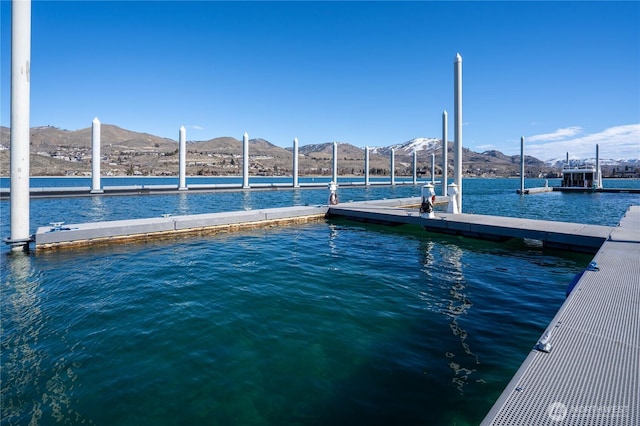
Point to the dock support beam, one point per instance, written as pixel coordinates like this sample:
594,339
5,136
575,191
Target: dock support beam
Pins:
295,163
522,165
20,103
245,161
96,188
182,159
366,166
457,109
445,149
393,166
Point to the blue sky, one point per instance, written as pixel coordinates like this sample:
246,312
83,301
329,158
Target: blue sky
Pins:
565,75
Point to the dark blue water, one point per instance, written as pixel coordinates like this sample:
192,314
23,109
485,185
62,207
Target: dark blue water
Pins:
326,323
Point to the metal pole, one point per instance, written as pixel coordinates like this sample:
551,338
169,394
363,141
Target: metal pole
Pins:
295,163
95,156
433,169
366,165
457,107
445,149
182,167
245,160
20,92
522,165
415,167
393,166
334,172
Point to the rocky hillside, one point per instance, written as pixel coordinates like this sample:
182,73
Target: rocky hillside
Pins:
56,152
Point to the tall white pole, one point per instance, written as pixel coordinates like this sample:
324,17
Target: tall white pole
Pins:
445,149
598,182
522,165
392,166
366,166
295,163
182,159
20,92
415,167
245,160
95,157
433,169
334,172
457,109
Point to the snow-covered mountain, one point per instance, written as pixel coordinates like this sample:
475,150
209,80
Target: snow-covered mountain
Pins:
416,144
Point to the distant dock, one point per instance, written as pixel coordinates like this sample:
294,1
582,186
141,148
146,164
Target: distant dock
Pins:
85,191
542,189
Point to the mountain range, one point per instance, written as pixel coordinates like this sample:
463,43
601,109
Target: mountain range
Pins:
56,152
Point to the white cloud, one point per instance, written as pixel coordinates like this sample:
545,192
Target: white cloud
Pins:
567,132
196,127
619,142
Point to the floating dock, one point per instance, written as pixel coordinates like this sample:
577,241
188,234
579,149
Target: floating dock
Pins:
562,235
586,367
85,191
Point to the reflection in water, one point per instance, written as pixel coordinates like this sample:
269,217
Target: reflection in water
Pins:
25,365
444,272
458,305
97,210
183,204
246,200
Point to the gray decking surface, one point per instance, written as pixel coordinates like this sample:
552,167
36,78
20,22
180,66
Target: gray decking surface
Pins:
591,375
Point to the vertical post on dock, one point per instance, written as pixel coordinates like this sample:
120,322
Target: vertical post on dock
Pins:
96,188
295,163
334,169
20,92
522,165
598,182
415,167
457,107
393,166
445,149
182,159
366,165
245,161
433,169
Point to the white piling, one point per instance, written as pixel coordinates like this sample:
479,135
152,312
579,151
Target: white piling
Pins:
96,188
598,180
20,138
334,169
295,163
445,150
522,165
415,167
393,166
457,109
433,169
182,159
245,160
366,166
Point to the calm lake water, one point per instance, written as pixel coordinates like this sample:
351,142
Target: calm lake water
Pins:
327,323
